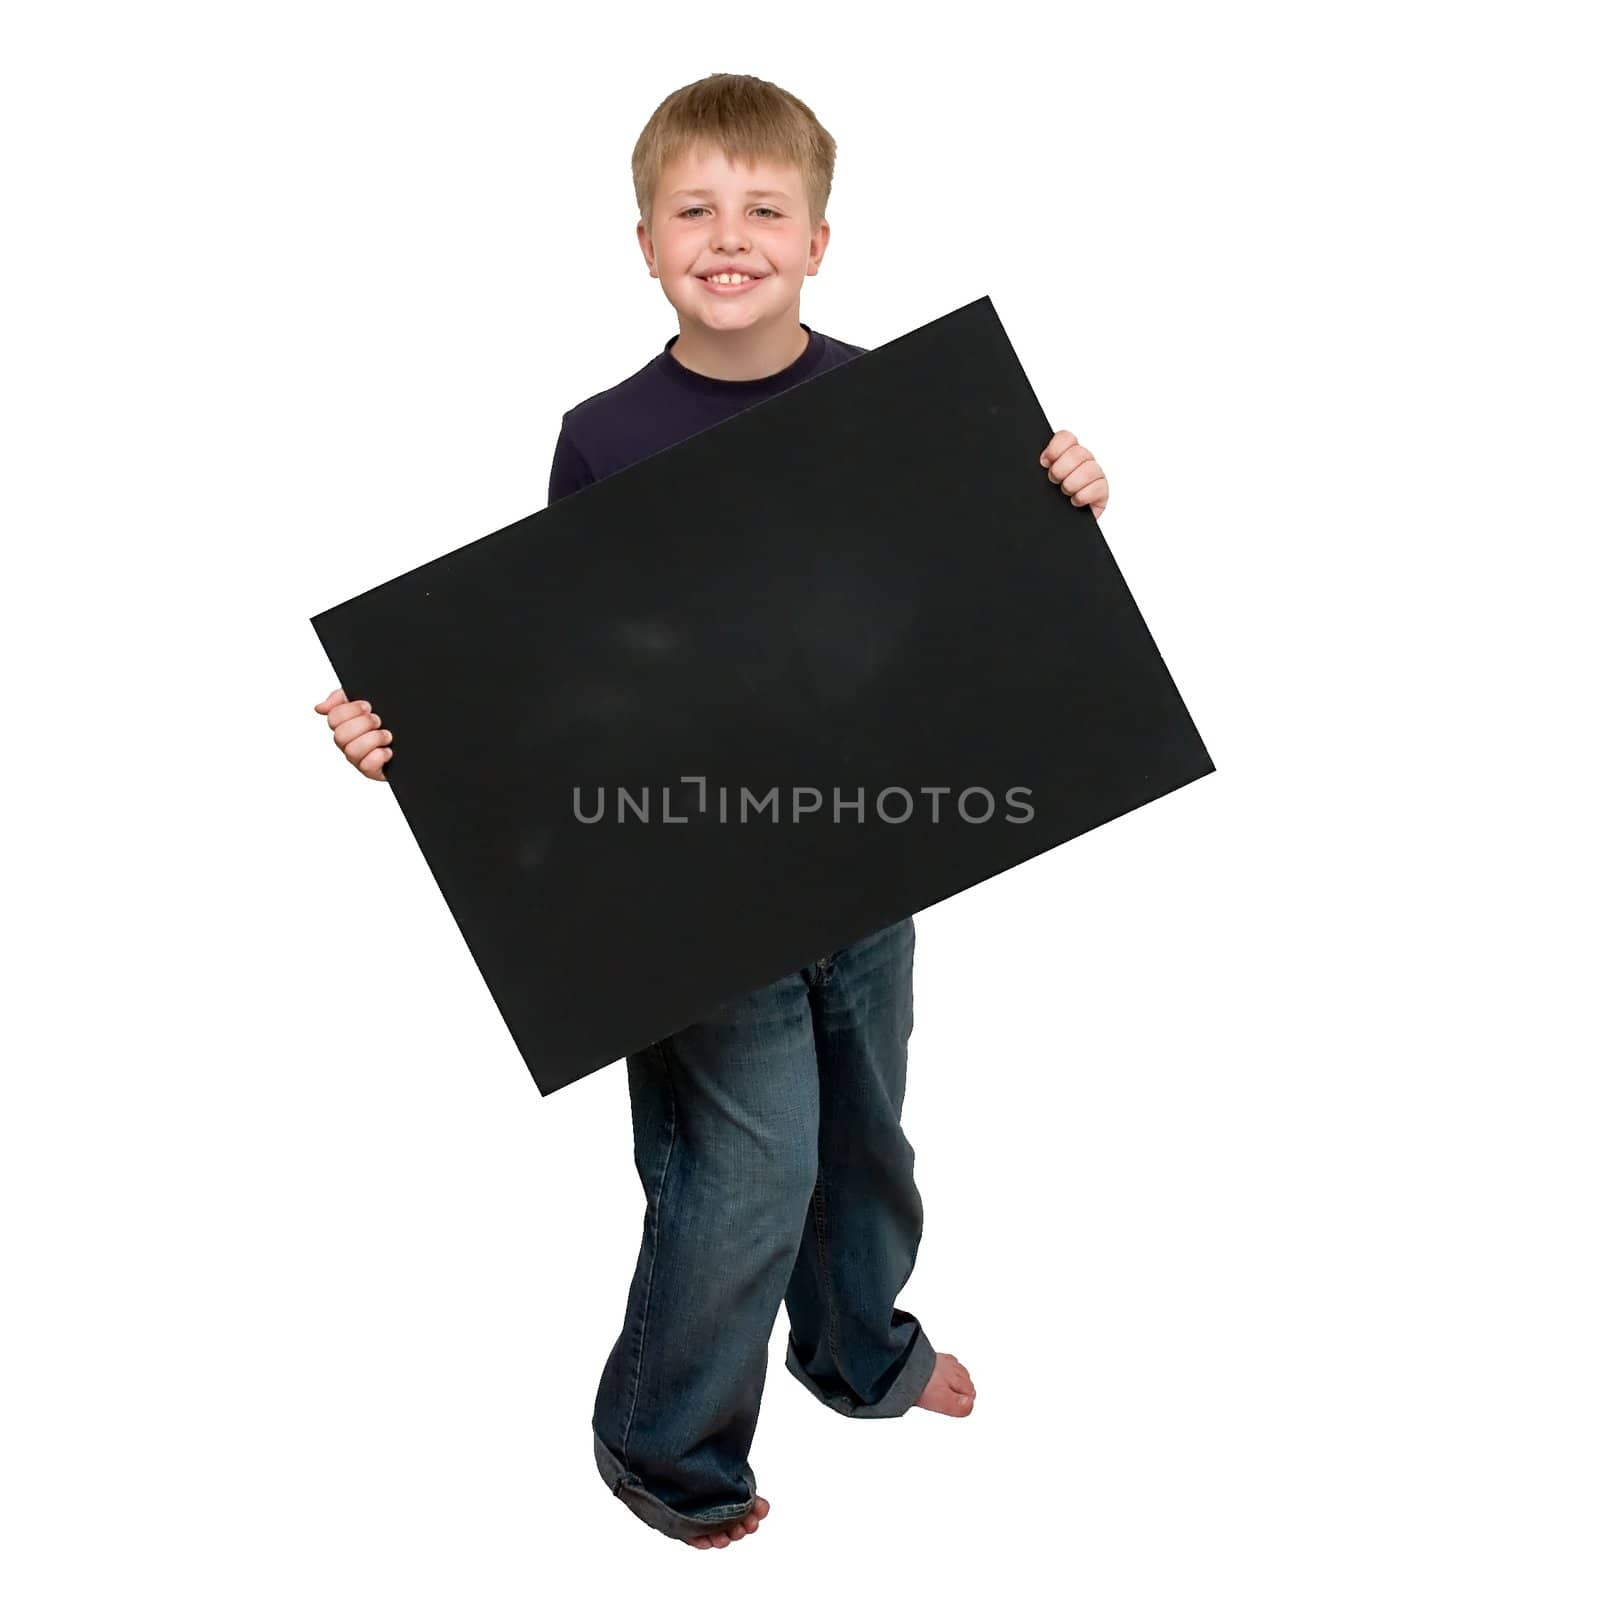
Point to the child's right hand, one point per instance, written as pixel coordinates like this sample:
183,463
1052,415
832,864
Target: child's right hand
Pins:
356,732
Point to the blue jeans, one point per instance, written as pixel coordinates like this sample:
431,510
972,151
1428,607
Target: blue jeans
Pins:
768,1141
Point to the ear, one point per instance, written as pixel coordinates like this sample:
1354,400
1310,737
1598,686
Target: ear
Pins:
819,244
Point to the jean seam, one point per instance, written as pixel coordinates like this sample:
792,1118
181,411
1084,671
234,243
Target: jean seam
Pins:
819,1212
655,1248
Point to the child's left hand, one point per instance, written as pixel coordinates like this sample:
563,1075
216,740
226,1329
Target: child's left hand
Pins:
1077,472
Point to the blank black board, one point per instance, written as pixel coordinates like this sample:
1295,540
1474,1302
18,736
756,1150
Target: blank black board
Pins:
862,588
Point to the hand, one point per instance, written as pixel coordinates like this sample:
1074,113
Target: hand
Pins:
1077,472
356,732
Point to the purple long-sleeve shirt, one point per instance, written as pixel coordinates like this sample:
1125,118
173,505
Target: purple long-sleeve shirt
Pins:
663,403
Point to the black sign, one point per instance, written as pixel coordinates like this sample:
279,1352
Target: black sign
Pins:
760,694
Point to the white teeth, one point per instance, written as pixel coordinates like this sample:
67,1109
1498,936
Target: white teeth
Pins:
730,277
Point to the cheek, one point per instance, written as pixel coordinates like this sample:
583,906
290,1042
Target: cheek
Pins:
791,255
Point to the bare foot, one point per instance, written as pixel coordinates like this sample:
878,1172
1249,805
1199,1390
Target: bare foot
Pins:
950,1389
723,1535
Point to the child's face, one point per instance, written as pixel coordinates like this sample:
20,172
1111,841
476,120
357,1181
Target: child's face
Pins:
729,228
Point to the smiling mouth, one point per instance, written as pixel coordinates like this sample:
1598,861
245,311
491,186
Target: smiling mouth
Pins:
750,281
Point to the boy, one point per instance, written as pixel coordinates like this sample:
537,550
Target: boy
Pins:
767,1136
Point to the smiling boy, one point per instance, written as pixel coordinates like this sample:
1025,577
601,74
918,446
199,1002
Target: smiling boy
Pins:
767,1136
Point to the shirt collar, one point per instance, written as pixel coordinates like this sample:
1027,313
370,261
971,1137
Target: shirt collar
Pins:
802,366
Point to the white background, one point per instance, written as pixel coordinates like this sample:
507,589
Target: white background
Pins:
1256,1130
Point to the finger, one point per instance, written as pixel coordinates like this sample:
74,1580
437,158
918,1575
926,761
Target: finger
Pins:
1066,461
337,698
373,764
1081,476
353,711
1094,493
348,728
1059,441
374,739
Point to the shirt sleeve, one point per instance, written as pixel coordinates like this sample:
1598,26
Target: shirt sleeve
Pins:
568,469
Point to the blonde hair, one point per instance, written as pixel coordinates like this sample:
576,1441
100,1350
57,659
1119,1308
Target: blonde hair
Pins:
745,117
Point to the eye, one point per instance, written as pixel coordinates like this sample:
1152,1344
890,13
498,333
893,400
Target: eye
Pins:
690,211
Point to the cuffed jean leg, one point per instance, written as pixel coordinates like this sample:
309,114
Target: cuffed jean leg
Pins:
725,1118
849,1344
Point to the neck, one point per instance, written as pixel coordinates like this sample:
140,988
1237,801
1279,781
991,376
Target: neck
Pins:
740,353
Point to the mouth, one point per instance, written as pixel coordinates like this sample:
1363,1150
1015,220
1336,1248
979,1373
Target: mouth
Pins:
732,288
